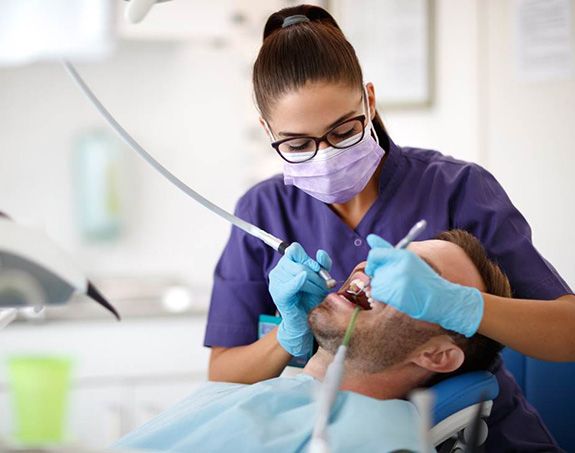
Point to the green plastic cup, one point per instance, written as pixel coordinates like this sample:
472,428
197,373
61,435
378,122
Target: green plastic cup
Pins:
39,387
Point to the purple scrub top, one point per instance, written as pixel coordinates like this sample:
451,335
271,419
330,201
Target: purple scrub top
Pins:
414,184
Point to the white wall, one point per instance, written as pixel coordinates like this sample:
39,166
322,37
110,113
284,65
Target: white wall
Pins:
451,123
180,102
523,132
529,130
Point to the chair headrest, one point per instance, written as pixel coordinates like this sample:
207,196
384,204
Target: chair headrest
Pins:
459,392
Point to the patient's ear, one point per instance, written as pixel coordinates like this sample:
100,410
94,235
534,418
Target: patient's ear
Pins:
439,355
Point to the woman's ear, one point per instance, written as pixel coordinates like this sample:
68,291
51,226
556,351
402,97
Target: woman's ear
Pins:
439,355
371,98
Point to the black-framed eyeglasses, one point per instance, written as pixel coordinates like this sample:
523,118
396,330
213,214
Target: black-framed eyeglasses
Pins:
301,149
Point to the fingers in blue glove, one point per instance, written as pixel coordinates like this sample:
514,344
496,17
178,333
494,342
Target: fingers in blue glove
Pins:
385,285
323,259
378,253
399,259
376,241
297,283
297,254
286,269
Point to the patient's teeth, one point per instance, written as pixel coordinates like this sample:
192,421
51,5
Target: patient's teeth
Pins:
356,286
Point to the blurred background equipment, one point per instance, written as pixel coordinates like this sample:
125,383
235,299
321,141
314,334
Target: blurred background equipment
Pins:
137,10
47,30
98,178
34,273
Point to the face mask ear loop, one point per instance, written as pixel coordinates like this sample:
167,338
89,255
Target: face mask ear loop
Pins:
268,130
266,125
367,112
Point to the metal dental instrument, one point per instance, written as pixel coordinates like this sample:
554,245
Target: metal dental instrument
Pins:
413,233
360,289
267,238
403,243
334,373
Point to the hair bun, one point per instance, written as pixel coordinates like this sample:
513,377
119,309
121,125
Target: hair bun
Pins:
311,13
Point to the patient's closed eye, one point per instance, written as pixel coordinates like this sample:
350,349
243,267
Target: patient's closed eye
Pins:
431,265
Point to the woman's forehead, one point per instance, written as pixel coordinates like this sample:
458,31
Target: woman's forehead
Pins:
312,108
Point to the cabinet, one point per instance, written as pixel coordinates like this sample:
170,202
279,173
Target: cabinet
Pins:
151,399
98,416
142,368
101,413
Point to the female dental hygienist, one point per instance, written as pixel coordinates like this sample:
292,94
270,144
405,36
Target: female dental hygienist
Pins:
344,179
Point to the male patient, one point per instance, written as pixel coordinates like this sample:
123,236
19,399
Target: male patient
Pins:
389,355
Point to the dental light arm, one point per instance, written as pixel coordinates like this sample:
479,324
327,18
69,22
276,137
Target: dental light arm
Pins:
33,272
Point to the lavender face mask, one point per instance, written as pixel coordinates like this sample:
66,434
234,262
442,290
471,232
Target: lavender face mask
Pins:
336,175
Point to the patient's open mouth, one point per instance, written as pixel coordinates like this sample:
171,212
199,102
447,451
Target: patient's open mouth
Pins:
355,290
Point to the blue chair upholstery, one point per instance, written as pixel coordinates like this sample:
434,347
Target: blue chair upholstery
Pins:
457,401
457,393
550,388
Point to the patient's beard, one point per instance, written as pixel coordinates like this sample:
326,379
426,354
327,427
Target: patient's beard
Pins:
378,341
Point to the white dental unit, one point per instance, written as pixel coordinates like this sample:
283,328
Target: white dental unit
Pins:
35,273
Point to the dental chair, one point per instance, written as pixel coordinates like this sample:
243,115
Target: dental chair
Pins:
457,401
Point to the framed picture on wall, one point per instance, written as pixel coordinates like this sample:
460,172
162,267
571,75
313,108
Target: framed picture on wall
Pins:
394,42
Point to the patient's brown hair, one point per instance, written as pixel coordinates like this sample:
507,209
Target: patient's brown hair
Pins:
480,351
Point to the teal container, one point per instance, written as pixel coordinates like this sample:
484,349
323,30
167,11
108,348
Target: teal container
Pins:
97,176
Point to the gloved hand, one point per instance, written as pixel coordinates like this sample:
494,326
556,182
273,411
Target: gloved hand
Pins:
296,288
401,279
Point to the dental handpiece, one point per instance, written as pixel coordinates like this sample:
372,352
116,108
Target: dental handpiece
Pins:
269,239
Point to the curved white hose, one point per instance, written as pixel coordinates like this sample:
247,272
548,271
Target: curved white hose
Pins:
249,228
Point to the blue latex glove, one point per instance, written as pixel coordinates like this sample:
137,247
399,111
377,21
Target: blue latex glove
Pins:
296,288
403,280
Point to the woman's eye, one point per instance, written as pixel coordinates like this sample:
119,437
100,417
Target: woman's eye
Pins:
342,134
304,146
344,131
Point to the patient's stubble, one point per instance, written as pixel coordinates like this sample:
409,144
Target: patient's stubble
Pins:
383,337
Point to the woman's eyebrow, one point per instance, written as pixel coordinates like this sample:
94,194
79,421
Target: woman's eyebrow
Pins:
303,134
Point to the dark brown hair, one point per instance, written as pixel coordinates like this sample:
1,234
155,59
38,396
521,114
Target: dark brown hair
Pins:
310,51
480,351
